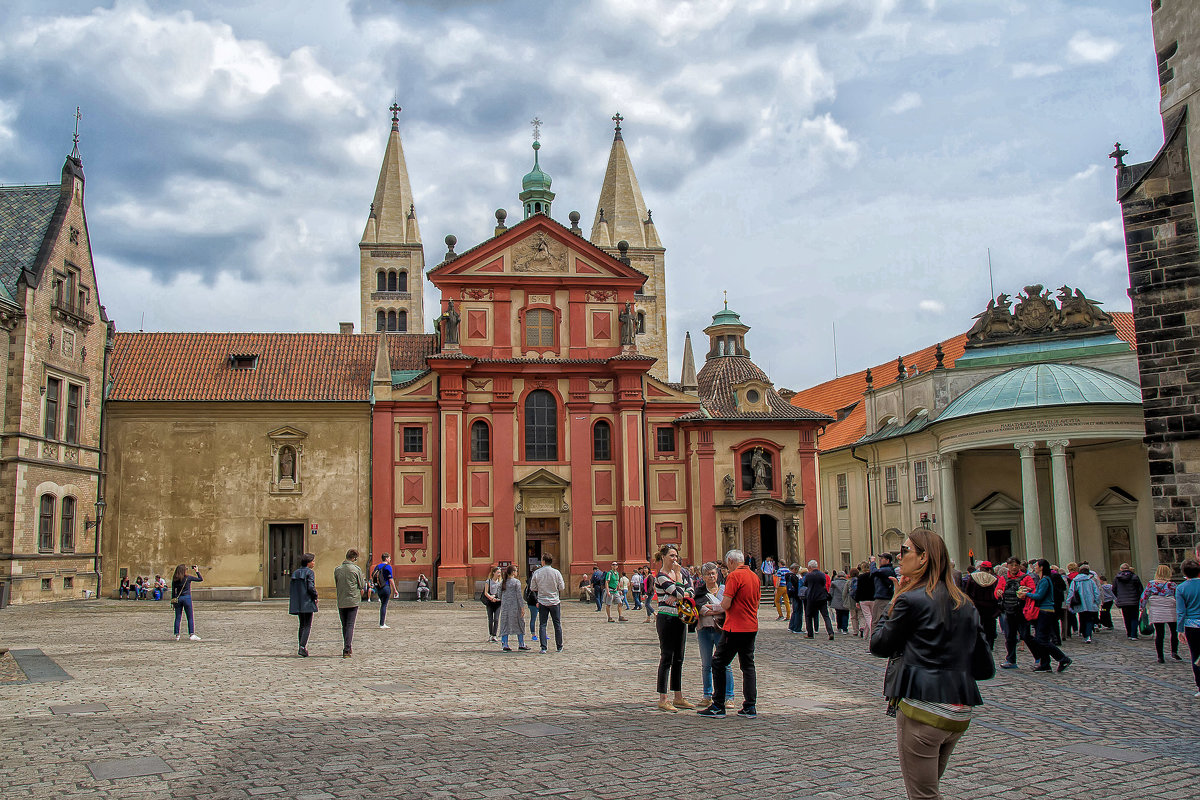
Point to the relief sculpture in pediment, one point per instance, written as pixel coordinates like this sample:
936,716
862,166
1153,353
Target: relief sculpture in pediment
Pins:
539,253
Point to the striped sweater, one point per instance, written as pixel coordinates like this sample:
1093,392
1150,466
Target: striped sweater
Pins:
669,591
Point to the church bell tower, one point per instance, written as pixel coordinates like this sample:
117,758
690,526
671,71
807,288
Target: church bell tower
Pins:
391,257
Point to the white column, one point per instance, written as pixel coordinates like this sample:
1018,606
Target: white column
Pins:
1029,501
1064,521
949,504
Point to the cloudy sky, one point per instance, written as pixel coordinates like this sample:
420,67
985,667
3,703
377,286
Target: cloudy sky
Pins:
828,162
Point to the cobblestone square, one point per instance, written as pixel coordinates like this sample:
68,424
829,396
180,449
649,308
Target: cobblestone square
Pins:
429,709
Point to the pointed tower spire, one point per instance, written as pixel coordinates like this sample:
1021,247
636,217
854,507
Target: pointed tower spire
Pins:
391,257
688,378
383,362
621,198
393,195
535,186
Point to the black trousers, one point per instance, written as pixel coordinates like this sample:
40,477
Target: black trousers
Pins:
348,615
1047,626
742,645
1106,615
1193,643
553,613
989,630
672,634
1130,614
811,610
1016,629
1159,631
305,628
493,612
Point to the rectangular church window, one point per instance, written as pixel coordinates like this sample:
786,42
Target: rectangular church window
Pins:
891,485
414,439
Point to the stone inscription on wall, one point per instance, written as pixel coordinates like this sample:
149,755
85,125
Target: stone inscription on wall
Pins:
1035,427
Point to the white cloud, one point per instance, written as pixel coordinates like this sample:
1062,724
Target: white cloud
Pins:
1084,48
823,136
1099,234
906,102
8,113
932,306
1025,69
1084,174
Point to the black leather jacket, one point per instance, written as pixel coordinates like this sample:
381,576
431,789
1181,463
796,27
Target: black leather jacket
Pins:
937,642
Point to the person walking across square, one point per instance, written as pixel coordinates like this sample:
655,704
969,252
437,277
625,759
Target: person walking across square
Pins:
743,593
385,586
302,602
548,583
350,584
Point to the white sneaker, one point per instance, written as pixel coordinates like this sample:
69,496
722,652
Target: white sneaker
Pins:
177,637
1197,694
385,627
194,638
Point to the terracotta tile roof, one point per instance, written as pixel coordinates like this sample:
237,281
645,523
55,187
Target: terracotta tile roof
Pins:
842,397
715,383
309,367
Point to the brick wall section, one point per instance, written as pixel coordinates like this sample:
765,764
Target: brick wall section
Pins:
1159,216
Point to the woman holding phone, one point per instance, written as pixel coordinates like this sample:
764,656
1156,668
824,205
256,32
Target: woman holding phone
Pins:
181,598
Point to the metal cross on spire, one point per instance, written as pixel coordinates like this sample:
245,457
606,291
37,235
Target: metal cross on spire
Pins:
536,122
1119,154
75,149
726,293
395,109
617,118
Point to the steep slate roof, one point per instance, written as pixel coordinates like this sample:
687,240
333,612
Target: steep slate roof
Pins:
307,367
715,383
843,397
25,215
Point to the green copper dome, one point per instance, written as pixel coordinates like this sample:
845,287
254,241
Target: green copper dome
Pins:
535,179
727,317
1041,385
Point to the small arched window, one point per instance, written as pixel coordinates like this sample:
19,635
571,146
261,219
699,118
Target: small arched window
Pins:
381,281
66,539
401,281
46,524
641,319
380,321
541,426
602,441
391,280
391,320
402,321
481,441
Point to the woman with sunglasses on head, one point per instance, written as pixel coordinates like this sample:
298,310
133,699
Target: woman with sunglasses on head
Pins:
671,586
931,633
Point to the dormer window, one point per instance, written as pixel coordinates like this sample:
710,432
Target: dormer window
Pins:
243,360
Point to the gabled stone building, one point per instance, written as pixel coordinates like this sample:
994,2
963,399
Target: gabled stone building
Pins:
56,332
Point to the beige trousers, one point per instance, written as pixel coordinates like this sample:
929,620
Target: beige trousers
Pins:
924,752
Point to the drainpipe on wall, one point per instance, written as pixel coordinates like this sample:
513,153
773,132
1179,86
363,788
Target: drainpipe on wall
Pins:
102,459
870,519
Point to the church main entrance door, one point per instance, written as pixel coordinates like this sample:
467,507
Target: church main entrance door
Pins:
285,545
541,536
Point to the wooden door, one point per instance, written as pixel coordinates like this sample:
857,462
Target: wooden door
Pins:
285,546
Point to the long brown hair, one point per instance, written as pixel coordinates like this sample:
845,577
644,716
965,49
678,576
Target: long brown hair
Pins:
509,572
180,574
935,570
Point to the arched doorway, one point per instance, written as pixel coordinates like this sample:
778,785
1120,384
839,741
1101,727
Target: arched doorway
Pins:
760,538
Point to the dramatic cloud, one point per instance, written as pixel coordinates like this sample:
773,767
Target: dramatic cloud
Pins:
825,161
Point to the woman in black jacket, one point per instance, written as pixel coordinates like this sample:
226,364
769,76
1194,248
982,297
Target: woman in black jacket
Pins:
303,603
932,636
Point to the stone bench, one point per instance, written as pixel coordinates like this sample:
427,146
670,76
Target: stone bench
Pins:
226,594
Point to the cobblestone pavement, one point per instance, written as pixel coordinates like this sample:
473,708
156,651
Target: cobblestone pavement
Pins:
429,709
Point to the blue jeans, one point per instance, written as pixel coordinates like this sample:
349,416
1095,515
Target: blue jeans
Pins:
184,606
385,594
520,640
533,615
554,612
796,623
708,638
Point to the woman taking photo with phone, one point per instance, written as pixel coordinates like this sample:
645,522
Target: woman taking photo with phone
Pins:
931,634
181,598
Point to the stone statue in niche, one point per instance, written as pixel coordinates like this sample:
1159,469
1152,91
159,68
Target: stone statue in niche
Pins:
761,466
729,484
628,322
448,324
287,464
789,484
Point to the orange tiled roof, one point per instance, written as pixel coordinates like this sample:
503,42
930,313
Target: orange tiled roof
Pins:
842,393
310,367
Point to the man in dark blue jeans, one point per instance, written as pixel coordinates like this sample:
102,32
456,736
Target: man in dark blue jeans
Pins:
598,587
548,583
385,586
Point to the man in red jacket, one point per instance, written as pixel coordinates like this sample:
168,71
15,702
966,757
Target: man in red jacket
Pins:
1012,610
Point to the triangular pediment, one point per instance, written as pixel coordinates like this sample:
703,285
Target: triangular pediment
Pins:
542,479
1115,497
996,501
537,247
287,432
660,392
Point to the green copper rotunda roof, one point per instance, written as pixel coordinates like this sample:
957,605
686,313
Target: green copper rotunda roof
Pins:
535,179
1043,385
727,317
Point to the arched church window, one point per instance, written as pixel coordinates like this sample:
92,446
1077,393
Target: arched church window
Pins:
380,321
481,441
391,320
757,465
641,319
401,281
46,524
402,321
541,426
380,281
602,441
391,280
